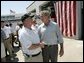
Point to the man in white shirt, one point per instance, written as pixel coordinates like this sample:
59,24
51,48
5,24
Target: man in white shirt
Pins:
30,41
3,37
7,42
17,29
20,25
12,34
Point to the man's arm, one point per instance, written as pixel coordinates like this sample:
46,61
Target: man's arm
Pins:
60,40
59,34
34,46
27,42
3,35
61,52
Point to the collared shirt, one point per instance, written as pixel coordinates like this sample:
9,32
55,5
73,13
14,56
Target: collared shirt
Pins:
3,36
7,31
35,28
28,37
11,29
50,34
19,31
17,27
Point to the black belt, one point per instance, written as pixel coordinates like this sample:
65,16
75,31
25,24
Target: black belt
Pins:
50,45
32,55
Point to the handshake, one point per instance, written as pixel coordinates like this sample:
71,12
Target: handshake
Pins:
41,44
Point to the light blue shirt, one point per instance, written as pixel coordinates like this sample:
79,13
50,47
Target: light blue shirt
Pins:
50,34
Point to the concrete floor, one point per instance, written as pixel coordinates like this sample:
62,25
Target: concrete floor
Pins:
73,52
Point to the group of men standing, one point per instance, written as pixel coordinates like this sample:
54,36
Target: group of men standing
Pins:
41,44
6,41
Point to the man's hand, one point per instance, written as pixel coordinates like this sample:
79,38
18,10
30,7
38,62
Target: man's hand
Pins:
41,44
61,52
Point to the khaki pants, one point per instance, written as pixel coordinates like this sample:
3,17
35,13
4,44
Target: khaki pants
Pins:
8,46
34,59
2,50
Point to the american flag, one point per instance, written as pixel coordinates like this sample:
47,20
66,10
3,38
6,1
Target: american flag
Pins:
66,17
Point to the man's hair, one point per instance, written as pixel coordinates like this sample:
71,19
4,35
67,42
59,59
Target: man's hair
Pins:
25,16
45,12
7,25
10,24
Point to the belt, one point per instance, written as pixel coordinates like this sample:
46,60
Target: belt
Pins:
6,38
32,55
50,45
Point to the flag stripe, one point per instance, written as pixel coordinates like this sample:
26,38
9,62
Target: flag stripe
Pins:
57,12
70,18
74,9
73,18
60,15
66,17
64,23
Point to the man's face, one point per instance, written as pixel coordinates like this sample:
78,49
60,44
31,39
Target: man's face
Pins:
28,22
44,18
34,22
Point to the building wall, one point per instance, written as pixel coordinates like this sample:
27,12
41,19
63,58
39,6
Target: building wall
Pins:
30,7
36,5
79,20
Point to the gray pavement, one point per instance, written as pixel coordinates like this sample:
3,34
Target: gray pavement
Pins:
73,52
